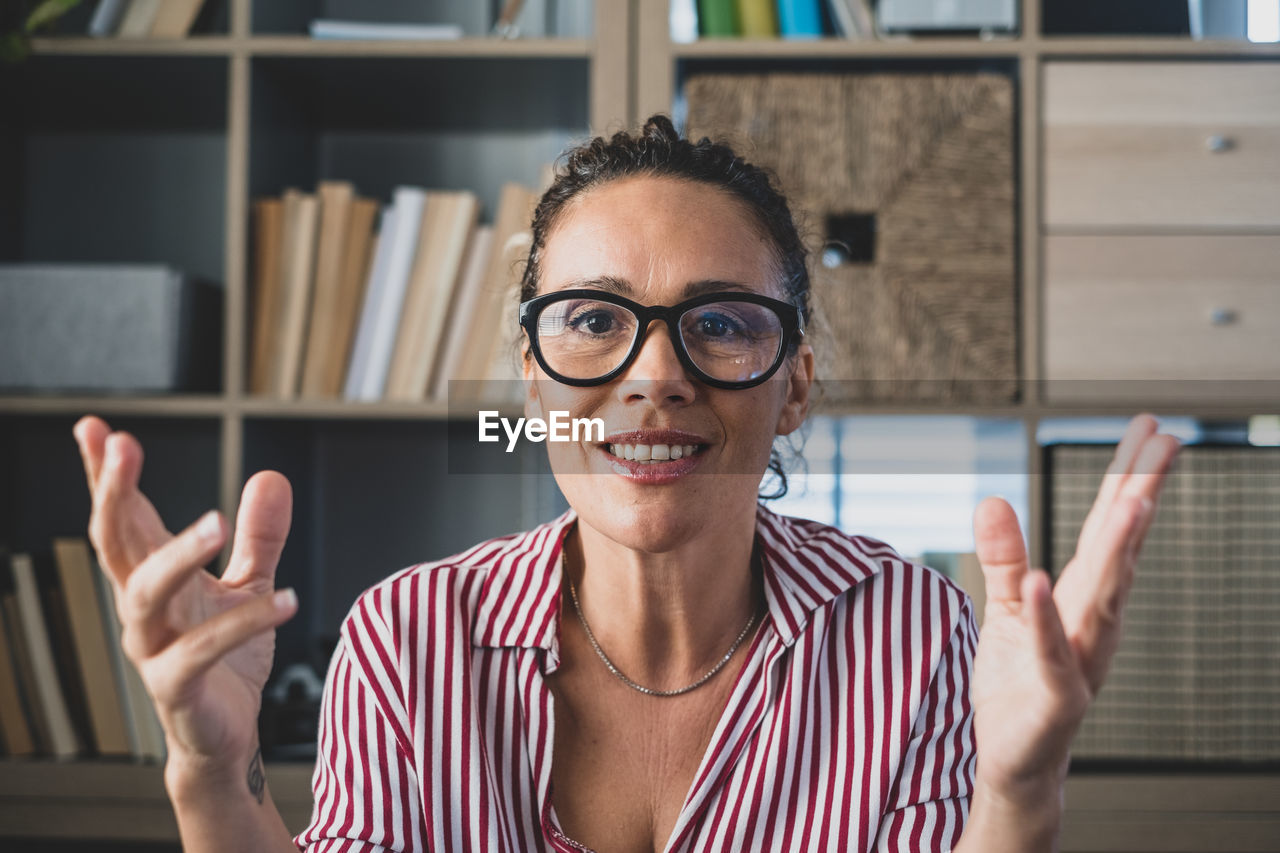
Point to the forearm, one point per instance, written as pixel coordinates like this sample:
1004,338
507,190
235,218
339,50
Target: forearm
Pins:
1027,821
223,808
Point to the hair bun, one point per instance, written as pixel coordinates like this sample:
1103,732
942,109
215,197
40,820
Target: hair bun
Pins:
659,127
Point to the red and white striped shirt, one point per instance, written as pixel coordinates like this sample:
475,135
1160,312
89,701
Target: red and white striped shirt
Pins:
849,726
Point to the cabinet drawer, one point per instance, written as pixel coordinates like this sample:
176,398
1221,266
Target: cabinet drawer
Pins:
1145,308
1176,144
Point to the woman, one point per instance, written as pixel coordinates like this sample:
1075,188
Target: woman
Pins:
668,665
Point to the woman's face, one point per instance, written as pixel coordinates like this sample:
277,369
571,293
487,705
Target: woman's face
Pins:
657,239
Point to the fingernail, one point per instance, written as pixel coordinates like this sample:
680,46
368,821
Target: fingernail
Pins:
285,600
1147,506
209,528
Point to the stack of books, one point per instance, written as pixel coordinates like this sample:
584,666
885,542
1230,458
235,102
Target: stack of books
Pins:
799,19
342,311
170,19
66,688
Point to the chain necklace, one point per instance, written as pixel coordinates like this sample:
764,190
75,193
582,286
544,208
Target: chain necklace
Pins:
599,651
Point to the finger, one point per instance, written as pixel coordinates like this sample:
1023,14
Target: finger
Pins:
117,479
1148,477
157,578
1000,549
91,435
1093,623
173,671
262,525
1042,614
1139,430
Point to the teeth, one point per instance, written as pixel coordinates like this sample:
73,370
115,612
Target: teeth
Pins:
651,452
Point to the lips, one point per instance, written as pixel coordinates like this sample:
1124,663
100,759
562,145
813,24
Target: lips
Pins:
653,456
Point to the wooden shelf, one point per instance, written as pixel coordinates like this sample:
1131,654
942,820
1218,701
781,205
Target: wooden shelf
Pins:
175,406
117,801
840,48
477,48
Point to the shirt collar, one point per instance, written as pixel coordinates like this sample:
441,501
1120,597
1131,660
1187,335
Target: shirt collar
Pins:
806,565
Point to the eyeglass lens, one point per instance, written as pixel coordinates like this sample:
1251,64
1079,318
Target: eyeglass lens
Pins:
729,341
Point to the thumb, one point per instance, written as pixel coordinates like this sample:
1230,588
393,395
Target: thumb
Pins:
1001,552
262,525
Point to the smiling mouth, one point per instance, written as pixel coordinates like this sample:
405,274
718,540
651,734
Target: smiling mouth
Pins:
653,453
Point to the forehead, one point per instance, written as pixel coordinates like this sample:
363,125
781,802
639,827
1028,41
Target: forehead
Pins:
658,234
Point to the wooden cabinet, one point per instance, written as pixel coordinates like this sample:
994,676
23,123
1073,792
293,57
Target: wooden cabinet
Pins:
1152,316
1162,144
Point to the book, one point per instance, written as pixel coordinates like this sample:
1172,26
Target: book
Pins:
301,224
15,729
717,18
683,21
336,200
375,285
65,656
505,25
447,223
357,255
322,28
23,669
409,203
268,236
799,18
573,18
63,741
138,18
107,16
464,313
174,18
757,18
102,694
146,737
511,238
851,19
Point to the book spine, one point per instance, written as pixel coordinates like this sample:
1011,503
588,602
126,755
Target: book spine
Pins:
757,18
106,18
717,18
799,18
375,285
63,742
409,202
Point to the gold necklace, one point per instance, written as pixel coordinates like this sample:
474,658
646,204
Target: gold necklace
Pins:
648,690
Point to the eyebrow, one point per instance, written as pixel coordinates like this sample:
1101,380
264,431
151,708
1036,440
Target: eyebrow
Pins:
622,287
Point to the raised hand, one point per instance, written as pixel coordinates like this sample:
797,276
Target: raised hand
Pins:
203,645
1043,655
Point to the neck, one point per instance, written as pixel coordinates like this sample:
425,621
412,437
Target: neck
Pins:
665,619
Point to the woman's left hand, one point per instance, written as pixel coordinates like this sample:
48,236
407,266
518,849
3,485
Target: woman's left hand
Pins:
1043,653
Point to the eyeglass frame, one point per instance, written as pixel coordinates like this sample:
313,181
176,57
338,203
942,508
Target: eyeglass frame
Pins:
789,315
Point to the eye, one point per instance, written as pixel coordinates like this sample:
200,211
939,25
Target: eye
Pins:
592,321
716,326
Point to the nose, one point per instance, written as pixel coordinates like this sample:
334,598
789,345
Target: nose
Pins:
657,374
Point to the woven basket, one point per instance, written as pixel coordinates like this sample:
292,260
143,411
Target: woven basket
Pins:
931,315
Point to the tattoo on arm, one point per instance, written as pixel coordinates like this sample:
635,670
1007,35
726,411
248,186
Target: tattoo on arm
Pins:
257,778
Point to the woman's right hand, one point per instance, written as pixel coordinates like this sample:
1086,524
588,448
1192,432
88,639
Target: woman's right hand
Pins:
203,645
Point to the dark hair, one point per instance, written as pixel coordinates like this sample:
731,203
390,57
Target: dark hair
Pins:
659,150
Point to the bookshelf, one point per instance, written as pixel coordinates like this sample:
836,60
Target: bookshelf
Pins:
196,128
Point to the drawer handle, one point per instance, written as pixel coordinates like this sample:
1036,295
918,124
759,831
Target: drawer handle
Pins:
1219,144
1223,316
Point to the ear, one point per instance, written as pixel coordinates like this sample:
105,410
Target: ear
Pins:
529,370
799,383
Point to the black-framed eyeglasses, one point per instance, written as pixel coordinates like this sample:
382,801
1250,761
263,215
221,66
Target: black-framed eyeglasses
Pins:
728,339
